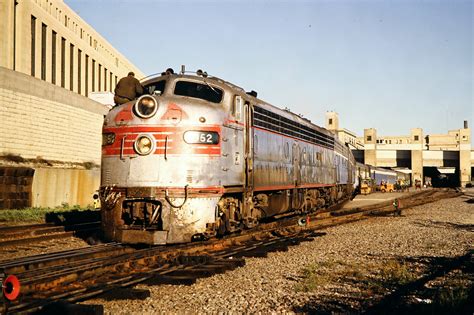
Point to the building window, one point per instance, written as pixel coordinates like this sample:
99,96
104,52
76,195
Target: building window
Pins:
116,81
369,138
33,44
330,121
93,75
99,77
71,67
79,71
43,51
111,75
87,75
53,57
416,138
105,79
63,62
65,20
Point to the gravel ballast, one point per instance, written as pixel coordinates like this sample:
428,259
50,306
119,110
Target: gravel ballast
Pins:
351,268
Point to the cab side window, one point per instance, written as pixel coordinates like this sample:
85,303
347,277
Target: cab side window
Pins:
237,107
155,87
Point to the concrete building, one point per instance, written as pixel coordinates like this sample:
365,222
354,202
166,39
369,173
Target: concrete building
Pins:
50,135
345,135
446,158
49,41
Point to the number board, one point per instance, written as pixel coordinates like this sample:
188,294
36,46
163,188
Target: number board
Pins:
201,137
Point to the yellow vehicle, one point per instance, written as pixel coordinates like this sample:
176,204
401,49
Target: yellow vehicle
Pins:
366,187
387,187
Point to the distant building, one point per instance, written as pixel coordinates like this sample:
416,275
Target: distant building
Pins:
345,135
446,157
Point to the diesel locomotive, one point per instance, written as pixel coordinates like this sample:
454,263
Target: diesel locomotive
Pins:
197,156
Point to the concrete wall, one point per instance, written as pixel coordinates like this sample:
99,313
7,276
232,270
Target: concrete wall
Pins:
42,120
370,146
386,158
15,187
433,158
55,186
56,132
465,156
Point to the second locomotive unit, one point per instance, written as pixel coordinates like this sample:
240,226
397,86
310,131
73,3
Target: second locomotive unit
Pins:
198,156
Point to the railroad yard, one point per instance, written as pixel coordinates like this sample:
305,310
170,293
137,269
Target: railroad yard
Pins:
420,261
305,157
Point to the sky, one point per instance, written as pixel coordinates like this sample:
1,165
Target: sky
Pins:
389,65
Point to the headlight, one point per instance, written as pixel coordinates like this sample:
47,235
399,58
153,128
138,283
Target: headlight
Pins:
201,137
146,106
108,138
144,145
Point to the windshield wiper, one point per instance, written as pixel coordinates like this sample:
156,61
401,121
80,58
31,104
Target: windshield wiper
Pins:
213,89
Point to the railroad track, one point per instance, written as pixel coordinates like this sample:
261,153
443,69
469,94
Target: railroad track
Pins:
78,275
25,234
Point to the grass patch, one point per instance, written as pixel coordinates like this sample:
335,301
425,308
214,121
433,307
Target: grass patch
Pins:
60,215
396,273
321,274
374,278
452,298
313,278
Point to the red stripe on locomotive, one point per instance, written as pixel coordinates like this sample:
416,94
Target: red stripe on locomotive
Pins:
167,138
125,114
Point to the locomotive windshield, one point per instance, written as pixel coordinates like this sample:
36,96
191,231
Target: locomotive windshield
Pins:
198,90
155,87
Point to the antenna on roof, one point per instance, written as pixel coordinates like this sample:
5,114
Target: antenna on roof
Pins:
183,69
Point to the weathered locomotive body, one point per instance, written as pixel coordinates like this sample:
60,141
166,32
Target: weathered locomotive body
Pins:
199,156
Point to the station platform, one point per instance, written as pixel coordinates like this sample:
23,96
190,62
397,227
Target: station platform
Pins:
375,198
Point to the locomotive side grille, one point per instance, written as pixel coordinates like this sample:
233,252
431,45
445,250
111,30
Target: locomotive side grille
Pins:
107,175
271,121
